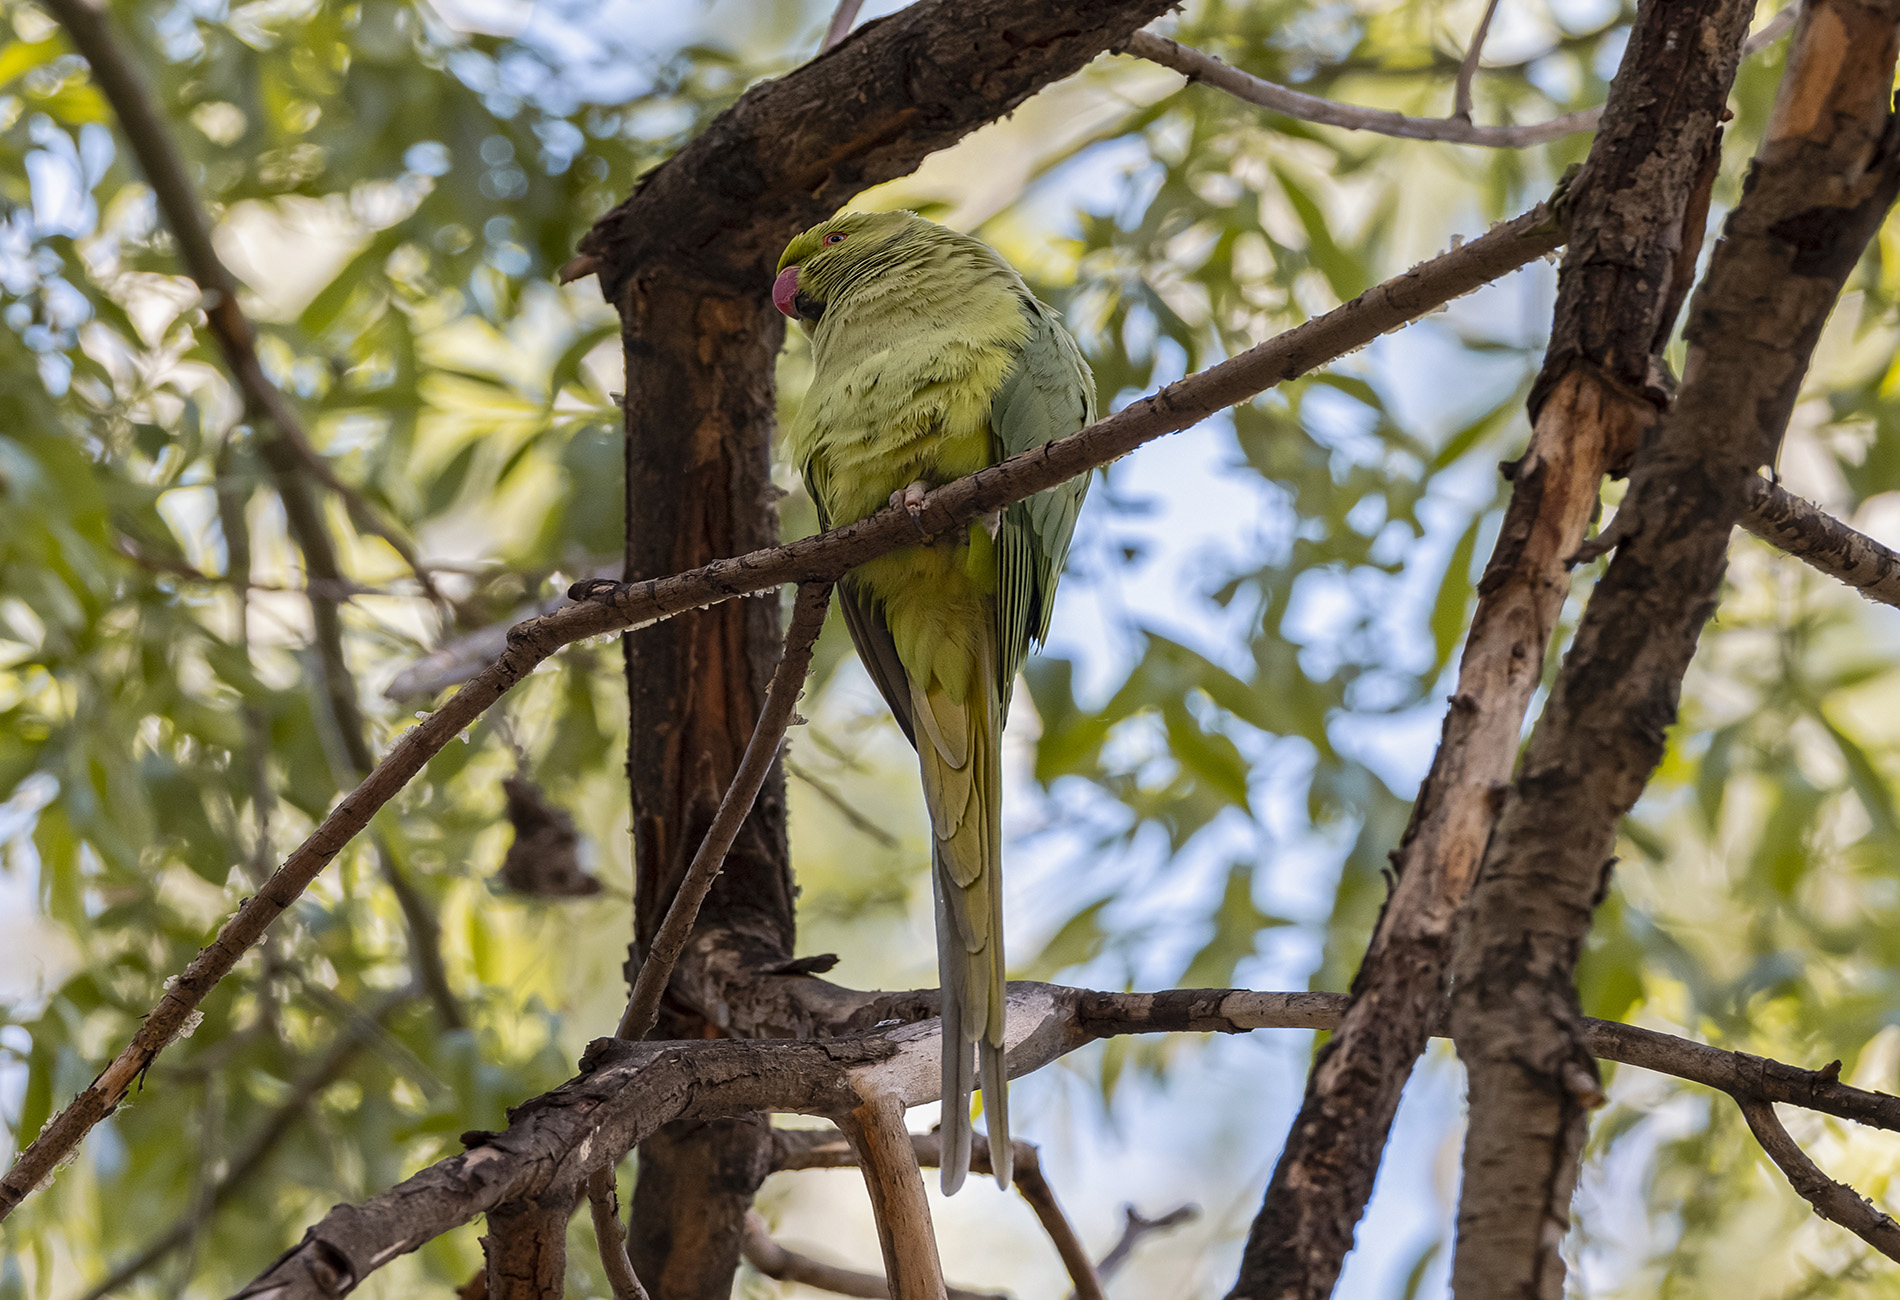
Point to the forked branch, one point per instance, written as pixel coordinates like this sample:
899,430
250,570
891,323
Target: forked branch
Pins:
1835,1202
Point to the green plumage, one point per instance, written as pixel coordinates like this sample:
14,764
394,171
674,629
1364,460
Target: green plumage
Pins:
932,360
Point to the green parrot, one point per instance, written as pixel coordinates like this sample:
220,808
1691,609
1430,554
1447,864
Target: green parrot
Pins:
931,360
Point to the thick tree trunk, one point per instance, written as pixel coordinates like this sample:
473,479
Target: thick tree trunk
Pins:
1635,216
687,260
1819,188
699,422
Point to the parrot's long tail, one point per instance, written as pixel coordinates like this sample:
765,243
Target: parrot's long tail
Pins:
958,747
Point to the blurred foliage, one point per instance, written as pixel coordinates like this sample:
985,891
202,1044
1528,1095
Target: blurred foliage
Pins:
1221,747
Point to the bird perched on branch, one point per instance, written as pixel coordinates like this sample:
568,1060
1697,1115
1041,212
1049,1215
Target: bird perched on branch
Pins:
932,359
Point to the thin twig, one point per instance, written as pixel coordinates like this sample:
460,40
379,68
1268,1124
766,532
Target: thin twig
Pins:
1805,531
783,1265
125,87
1835,1202
808,620
1028,1179
840,25
1467,70
830,794
1197,65
603,1200
617,607
1136,1228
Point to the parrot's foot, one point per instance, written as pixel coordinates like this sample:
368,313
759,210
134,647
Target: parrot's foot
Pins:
912,500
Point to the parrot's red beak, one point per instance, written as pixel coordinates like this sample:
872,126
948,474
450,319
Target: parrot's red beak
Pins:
785,290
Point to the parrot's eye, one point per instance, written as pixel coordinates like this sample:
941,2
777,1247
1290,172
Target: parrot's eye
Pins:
835,237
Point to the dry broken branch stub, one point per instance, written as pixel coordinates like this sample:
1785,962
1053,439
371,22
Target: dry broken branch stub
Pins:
1819,187
628,1089
1632,211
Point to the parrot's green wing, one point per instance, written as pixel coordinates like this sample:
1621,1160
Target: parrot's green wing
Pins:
1049,395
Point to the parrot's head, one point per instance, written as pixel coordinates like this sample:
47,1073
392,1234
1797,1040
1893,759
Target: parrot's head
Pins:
828,259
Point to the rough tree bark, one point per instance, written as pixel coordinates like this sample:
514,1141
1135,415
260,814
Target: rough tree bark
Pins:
686,260
1818,189
1635,216
625,1090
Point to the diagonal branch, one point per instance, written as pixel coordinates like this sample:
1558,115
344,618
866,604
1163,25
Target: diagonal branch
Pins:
825,557
1811,535
781,697
243,1166
888,1160
1835,1202
1197,65
603,1201
628,1090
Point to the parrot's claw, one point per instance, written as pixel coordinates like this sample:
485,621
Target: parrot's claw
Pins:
912,500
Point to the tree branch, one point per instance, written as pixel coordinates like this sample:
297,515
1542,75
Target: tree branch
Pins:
1835,1202
825,557
875,1129
867,111
603,1201
820,1149
782,1265
627,1090
1468,68
1134,1231
1811,535
781,697
1635,220
1196,65
1820,186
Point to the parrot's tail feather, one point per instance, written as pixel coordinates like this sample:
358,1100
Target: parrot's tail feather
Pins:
996,1111
959,1078
961,763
